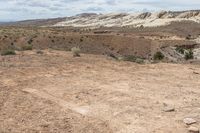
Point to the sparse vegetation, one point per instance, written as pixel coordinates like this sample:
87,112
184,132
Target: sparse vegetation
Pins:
139,60
180,50
81,40
30,41
188,37
121,58
131,58
27,47
76,51
158,56
8,52
110,75
40,52
189,55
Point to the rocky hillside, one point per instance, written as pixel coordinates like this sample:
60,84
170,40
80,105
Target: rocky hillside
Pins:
146,19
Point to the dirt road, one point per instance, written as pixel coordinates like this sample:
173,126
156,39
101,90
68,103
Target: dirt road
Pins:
54,92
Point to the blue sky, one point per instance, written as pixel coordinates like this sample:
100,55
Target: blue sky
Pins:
11,10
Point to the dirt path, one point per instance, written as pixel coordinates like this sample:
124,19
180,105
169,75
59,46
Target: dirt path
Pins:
97,94
60,102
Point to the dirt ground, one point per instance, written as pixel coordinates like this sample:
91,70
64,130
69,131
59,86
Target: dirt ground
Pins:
54,92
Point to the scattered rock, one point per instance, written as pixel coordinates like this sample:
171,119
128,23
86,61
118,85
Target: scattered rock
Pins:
189,121
193,130
169,109
196,73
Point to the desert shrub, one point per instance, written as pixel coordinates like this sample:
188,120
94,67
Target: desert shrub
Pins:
30,41
188,37
111,55
39,52
27,47
139,60
189,55
121,58
158,56
131,58
76,51
180,50
8,52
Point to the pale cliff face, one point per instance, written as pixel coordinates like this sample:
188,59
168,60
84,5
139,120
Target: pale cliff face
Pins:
147,19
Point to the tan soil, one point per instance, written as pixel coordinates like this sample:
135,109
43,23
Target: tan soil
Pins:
55,92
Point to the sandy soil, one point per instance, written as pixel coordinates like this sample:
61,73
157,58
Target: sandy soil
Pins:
55,92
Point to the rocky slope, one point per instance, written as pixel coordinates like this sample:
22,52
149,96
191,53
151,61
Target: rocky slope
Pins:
146,19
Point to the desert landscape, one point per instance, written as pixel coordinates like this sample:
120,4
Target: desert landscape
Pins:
101,73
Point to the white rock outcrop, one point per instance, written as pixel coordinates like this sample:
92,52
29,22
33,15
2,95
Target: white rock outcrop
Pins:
146,19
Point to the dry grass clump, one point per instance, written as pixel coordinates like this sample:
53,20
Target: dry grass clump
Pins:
27,47
8,52
76,51
131,58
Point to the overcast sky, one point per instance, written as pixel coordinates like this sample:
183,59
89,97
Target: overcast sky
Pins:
11,10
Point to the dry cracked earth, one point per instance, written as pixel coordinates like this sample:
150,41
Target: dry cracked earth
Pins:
56,93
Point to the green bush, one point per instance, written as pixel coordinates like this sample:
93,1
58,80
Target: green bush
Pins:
8,52
158,56
180,50
189,55
76,51
27,47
